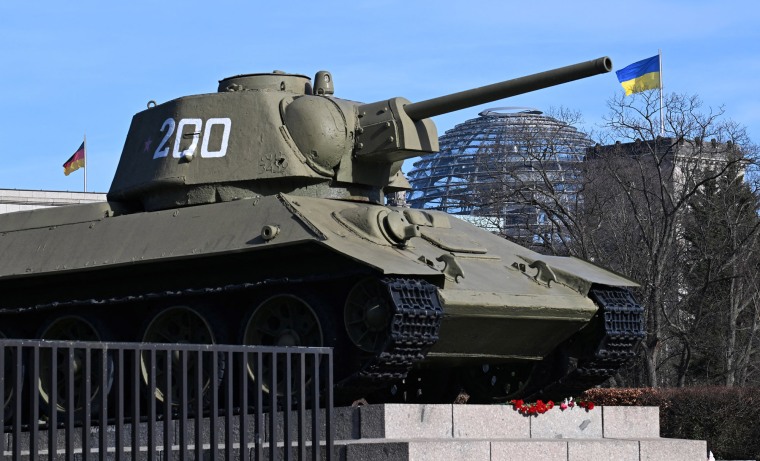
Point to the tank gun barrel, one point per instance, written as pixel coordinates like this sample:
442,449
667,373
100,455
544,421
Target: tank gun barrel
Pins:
468,98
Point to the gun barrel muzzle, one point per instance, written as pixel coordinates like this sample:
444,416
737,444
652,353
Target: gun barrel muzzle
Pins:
489,93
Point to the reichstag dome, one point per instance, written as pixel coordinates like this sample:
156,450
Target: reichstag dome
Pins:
502,171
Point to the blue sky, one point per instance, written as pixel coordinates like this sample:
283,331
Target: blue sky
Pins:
70,68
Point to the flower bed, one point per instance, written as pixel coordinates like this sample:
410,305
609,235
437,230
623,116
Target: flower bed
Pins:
540,407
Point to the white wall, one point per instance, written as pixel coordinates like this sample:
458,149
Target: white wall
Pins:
19,200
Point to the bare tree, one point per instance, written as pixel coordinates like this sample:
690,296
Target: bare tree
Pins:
651,181
723,251
672,210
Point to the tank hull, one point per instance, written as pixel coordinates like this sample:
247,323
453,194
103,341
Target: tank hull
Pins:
495,307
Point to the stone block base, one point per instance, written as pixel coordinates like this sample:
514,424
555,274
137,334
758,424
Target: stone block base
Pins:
399,432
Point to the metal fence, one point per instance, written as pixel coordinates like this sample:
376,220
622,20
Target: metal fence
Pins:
140,401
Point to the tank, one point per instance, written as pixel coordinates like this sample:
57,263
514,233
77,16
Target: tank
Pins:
257,215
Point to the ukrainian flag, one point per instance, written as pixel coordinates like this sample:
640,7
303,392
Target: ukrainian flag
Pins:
640,76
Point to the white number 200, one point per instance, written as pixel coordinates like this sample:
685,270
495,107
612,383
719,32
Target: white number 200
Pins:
169,126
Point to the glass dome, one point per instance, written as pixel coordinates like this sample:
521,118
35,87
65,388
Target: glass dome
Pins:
503,170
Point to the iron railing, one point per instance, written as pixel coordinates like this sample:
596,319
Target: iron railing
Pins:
140,401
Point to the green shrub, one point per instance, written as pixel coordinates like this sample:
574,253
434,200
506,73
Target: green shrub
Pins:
728,418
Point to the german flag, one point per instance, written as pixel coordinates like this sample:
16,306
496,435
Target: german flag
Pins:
75,162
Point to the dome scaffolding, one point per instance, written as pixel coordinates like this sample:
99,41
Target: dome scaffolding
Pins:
504,171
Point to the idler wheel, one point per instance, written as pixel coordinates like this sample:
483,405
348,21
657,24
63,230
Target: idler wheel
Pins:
66,368
178,325
368,314
282,320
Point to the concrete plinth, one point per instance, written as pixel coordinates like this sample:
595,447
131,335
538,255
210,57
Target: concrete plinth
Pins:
401,432
499,433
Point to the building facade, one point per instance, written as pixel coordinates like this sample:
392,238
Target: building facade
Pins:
20,200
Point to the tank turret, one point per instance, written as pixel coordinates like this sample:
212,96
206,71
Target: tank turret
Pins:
263,134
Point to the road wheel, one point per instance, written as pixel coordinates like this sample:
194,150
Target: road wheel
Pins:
63,366
179,325
283,320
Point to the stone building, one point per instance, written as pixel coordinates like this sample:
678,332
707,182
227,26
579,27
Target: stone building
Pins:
689,159
19,199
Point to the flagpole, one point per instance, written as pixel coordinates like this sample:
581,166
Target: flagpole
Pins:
662,120
85,161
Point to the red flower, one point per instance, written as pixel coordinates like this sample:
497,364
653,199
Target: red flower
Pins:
540,407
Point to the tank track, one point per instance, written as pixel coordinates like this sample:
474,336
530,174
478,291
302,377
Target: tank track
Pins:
414,329
623,331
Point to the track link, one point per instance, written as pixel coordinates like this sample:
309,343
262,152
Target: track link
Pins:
623,331
414,329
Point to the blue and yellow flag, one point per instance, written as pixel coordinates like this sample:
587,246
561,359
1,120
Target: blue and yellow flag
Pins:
640,76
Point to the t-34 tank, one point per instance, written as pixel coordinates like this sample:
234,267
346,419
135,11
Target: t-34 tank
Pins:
256,215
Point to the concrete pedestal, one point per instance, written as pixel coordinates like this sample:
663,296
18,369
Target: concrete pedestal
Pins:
401,432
